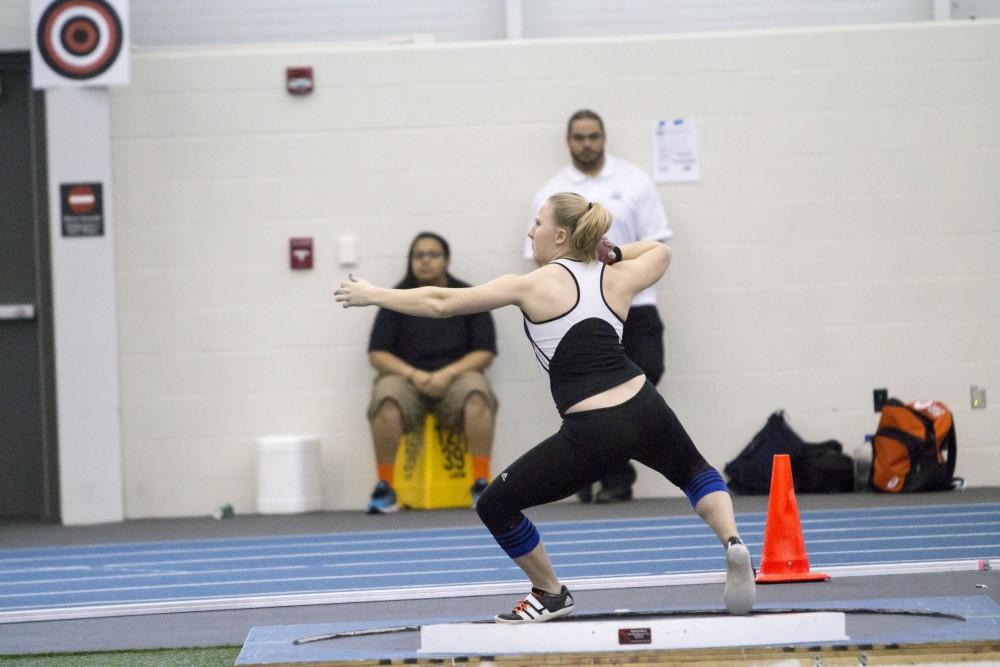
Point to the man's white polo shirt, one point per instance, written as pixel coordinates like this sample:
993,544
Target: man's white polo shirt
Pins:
628,192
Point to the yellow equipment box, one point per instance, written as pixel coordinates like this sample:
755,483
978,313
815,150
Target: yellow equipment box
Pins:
433,468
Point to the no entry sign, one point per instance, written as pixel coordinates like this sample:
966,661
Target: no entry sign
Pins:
82,209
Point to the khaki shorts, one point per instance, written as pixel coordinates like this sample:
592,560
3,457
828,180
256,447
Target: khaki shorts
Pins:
414,405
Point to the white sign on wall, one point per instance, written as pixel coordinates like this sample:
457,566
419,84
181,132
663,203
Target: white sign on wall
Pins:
79,43
675,151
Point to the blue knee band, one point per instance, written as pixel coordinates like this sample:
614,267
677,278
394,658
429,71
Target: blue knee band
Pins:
703,484
519,541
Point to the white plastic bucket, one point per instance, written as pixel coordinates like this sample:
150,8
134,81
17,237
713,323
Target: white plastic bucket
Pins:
288,474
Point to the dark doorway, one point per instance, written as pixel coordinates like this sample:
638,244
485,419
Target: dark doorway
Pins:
29,486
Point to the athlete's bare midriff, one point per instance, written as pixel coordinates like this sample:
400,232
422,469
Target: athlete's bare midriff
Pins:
610,397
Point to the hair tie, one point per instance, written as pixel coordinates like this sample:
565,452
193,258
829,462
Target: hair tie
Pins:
590,205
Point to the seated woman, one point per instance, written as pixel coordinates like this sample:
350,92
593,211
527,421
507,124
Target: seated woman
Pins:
574,309
430,365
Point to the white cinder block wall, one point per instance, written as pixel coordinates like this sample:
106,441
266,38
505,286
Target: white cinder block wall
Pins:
845,234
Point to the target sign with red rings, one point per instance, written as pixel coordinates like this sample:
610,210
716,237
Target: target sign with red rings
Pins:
81,40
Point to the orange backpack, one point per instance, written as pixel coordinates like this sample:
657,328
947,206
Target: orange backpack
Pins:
914,447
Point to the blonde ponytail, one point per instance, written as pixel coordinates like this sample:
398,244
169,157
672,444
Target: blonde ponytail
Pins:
587,222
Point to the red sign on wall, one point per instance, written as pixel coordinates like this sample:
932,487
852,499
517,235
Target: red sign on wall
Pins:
82,209
301,252
299,80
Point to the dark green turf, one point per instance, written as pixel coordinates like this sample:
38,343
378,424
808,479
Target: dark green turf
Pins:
180,657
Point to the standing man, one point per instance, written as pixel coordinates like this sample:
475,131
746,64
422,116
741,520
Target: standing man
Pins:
637,215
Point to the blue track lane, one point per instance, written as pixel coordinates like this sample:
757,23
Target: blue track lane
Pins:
64,577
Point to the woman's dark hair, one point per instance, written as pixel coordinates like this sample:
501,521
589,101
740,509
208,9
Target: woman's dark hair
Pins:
409,280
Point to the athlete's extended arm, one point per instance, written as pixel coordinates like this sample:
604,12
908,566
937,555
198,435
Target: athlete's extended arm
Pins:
435,301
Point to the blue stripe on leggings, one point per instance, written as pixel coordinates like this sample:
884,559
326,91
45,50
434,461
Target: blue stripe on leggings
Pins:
703,484
519,541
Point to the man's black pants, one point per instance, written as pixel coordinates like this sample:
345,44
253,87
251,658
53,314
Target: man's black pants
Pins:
643,341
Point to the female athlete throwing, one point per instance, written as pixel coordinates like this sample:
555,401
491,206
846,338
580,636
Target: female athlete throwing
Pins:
574,307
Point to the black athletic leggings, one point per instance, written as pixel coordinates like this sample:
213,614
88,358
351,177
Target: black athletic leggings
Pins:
643,428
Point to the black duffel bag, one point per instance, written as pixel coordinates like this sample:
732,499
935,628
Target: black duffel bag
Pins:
816,467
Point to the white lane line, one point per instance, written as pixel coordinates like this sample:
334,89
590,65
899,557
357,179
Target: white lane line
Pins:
152,575
205,584
981,548
194,548
805,524
820,515
557,554
485,543
57,568
554,553
251,570
222,603
853,516
913,528
886,538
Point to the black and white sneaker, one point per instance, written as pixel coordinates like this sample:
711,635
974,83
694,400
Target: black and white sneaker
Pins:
539,606
740,589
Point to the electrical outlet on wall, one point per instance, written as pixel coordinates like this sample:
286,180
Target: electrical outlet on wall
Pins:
977,397
880,397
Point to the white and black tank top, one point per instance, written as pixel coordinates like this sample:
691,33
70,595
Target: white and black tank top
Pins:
581,350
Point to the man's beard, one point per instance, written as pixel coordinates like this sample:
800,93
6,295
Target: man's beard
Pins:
588,159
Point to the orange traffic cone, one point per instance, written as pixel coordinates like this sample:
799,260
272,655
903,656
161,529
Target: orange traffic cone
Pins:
784,558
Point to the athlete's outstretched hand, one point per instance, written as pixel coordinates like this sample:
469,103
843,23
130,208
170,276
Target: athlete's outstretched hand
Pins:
354,292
